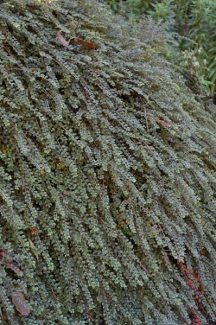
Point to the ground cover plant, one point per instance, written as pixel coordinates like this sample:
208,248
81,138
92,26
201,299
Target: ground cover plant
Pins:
107,163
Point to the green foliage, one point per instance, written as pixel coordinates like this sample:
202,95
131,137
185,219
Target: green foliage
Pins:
108,179
137,7
201,29
193,19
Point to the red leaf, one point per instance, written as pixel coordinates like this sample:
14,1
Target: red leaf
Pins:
191,284
19,301
87,45
166,123
197,321
33,231
163,122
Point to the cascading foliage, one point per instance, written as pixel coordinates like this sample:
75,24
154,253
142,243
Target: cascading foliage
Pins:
108,177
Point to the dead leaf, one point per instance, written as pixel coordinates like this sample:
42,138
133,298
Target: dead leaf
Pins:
87,45
62,39
34,249
20,304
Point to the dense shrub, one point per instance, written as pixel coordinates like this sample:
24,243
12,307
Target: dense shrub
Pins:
108,178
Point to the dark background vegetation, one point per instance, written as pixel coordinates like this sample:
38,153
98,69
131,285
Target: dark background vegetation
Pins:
194,20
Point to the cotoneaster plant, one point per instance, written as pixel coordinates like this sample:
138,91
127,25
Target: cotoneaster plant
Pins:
108,179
